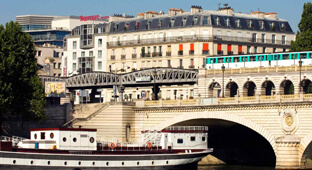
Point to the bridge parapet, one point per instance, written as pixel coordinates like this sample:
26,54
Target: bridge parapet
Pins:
227,101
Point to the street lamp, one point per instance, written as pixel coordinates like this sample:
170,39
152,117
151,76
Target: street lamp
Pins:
223,69
300,65
155,74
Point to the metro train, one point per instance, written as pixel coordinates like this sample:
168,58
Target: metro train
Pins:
260,60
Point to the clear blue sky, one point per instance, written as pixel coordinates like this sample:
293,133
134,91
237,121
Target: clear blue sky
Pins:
290,10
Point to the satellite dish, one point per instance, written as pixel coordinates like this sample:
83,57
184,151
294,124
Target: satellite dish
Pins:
226,4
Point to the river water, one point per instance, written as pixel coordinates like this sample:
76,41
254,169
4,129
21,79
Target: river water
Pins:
233,167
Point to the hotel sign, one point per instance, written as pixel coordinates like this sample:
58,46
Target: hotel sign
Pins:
93,18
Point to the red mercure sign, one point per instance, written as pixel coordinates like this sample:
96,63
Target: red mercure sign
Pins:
92,18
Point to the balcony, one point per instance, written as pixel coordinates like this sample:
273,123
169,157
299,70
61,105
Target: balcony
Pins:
220,52
230,53
113,57
191,52
145,55
156,54
123,56
240,53
180,52
205,52
168,53
191,66
134,55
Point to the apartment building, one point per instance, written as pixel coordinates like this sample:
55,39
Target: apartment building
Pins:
178,39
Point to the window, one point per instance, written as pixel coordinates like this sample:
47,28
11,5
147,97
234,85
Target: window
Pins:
193,138
192,61
179,141
83,53
51,135
35,136
181,63
248,49
100,42
205,21
274,50
284,39
263,38
169,63
74,67
39,53
42,135
203,138
273,39
272,26
237,23
254,37
100,65
249,23
195,21
263,51
90,53
59,65
64,139
261,25
92,140
283,27
74,55
100,54
171,23
74,139
217,20
227,20
54,65
74,44
183,21
256,50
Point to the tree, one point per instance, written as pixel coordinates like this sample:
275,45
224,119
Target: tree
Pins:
304,35
21,92
291,89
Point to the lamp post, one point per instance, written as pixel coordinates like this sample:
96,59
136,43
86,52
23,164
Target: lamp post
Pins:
155,74
300,65
223,69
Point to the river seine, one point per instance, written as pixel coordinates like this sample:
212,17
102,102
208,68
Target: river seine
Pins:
233,167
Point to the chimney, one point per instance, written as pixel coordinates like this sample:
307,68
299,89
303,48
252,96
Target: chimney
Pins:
272,15
258,14
196,9
140,15
173,12
150,14
226,9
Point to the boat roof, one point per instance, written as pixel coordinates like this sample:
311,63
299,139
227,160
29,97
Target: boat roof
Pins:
63,129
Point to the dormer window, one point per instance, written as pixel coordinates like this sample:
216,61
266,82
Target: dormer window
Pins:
227,20
249,23
183,21
237,23
160,23
283,27
217,19
261,25
205,21
116,28
137,25
272,26
171,23
126,28
194,21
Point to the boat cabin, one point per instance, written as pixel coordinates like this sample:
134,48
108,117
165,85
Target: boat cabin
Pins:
61,138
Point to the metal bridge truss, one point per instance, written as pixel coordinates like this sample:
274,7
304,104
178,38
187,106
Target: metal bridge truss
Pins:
157,75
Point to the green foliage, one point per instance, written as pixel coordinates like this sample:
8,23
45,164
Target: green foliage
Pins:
310,88
291,89
21,92
304,35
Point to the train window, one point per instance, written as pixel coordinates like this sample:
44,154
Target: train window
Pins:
303,55
285,57
193,138
220,60
252,58
180,141
42,135
236,59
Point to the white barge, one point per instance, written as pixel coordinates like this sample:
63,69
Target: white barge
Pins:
67,148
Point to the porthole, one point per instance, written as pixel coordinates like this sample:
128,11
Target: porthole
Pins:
122,163
138,163
167,162
35,136
152,162
51,135
31,162
79,163
75,139
93,163
14,161
106,163
48,162
64,139
91,139
65,163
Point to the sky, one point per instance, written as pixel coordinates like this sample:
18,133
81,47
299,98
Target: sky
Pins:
290,10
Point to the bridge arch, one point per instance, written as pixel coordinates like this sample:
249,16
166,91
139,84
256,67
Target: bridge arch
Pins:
223,116
305,150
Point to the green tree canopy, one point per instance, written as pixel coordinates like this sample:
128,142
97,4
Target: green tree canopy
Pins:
21,92
304,35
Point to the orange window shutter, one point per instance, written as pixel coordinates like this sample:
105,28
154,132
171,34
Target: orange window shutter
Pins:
219,47
181,47
192,47
229,47
240,48
205,47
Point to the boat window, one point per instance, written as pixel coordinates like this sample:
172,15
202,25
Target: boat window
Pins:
51,135
91,139
64,139
75,139
35,135
203,138
180,141
193,138
42,135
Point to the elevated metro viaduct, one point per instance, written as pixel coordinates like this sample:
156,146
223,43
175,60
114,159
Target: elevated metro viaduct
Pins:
258,104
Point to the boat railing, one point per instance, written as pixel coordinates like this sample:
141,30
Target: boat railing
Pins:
187,128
